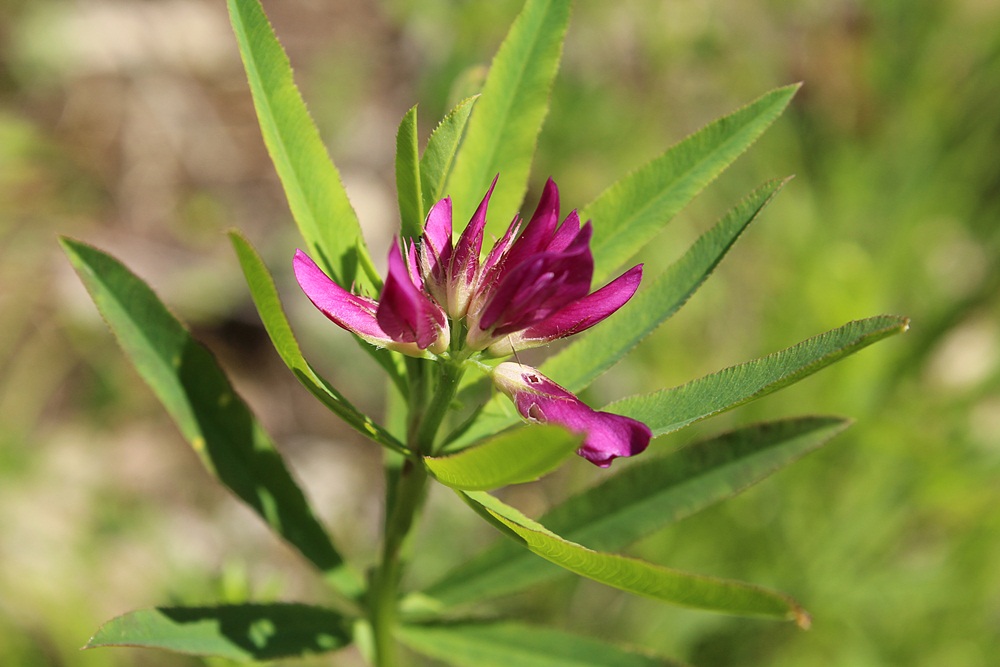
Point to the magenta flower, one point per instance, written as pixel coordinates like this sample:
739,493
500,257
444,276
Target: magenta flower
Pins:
404,319
607,436
531,289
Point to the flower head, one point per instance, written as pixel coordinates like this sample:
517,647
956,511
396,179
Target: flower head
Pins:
533,286
538,399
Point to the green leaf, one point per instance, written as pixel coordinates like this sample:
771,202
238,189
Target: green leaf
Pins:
210,415
636,576
312,183
630,212
436,163
504,129
668,410
506,643
515,457
411,201
577,365
265,298
648,495
243,632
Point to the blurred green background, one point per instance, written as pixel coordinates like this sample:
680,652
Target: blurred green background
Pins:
129,125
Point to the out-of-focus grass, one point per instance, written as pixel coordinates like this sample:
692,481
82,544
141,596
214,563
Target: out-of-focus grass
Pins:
889,536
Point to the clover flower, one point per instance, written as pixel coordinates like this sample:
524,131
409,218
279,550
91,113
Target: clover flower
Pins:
533,287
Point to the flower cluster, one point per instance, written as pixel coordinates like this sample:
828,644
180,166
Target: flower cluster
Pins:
441,299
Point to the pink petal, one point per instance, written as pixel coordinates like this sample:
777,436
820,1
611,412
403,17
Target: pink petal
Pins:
535,289
576,317
349,311
436,249
539,399
437,227
568,231
538,232
405,312
465,262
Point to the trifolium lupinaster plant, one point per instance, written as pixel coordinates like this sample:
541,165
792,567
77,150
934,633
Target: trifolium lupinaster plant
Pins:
445,326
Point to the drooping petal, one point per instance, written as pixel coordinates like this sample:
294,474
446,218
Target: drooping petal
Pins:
405,312
349,311
574,318
607,436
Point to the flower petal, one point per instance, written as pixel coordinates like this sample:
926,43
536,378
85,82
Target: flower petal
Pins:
538,232
349,311
405,312
574,318
465,261
568,231
534,290
436,249
607,436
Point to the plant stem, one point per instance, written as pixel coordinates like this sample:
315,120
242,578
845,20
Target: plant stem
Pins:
447,387
412,481
402,503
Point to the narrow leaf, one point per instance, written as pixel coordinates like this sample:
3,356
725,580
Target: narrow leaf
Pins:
312,183
577,365
505,644
243,632
636,576
515,457
630,212
210,415
648,495
411,201
668,410
266,299
435,165
504,129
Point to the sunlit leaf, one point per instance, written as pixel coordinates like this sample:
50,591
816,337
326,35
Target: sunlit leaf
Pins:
633,575
507,644
245,632
672,409
411,200
668,410
435,165
589,355
504,127
649,494
515,457
312,183
265,297
629,214
210,415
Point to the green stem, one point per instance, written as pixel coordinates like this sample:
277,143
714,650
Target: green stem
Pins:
412,481
447,387
403,499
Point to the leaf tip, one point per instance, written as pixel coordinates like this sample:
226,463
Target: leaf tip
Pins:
801,618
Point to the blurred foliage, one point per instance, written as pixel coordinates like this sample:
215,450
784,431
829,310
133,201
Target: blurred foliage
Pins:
130,125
